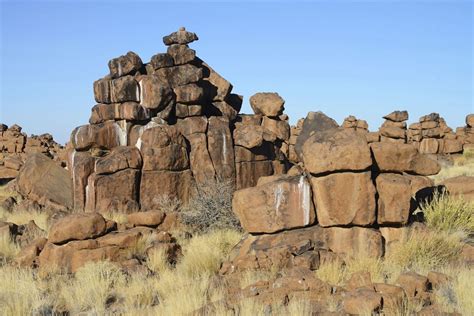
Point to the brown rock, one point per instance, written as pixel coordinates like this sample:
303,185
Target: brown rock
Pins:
153,94
27,257
336,150
130,111
354,241
46,182
393,297
402,158
429,124
125,65
429,117
452,146
429,146
119,158
413,283
182,37
103,136
281,129
359,279
344,199
221,149
161,60
267,103
189,94
79,226
174,184
460,186
362,301
81,165
394,204
437,279
102,91
397,116
179,75
278,205
393,132
248,172
222,86
181,54
124,89
150,218
117,191
470,120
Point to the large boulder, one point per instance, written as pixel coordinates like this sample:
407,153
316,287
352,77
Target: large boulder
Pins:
274,206
395,197
336,150
355,241
46,182
125,65
346,198
461,186
78,226
396,157
314,122
267,103
182,37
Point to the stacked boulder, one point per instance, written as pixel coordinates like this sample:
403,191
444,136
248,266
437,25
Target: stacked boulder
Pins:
352,122
295,131
261,140
348,197
466,134
394,129
431,135
80,238
16,145
163,127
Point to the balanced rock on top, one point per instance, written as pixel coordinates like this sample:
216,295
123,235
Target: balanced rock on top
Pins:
181,37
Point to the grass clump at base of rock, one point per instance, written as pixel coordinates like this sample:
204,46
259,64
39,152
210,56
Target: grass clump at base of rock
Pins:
449,214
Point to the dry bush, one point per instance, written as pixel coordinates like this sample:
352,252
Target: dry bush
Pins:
449,214
426,250
167,204
211,207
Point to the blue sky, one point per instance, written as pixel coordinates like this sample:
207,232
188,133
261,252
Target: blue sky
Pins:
341,57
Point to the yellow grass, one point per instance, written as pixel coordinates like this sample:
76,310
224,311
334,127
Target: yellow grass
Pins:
463,166
19,292
449,214
426,250
8,248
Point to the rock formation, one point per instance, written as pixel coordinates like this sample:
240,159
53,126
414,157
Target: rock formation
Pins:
162,127
16,145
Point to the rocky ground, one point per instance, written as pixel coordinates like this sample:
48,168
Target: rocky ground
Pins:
170,202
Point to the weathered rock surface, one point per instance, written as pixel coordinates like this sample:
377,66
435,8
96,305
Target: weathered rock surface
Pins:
336,150
267,103
281,204
46,182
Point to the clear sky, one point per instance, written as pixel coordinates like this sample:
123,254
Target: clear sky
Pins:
364,58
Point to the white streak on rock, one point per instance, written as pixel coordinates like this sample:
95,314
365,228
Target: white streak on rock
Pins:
141,93
73,157
121,134
119,68
279,198
224,147
304,195
142,129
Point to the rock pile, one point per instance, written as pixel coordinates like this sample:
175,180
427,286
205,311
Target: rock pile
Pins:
466,133
431,135
80,238
353,198
161,127
394,129
16,145
348,196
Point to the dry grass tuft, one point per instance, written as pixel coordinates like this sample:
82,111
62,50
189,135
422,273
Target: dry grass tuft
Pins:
19,292
8,249
91,287
426,250
449,214
332,272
